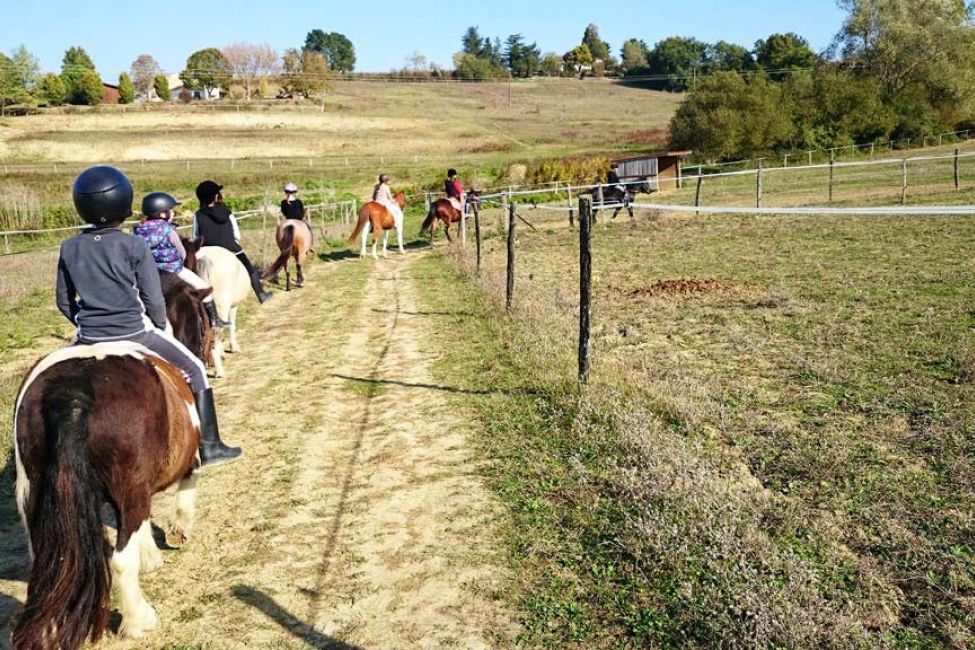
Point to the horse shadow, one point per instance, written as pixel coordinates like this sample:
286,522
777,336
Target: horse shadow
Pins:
303,631
337,256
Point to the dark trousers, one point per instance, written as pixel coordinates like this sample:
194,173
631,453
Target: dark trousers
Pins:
253,273
167,347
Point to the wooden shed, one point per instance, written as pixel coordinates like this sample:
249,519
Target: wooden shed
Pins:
110,94
661,169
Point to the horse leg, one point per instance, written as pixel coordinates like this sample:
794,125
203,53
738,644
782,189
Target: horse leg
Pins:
287,276
399,238
185,507
446,231
300,262
218,350
234,344
150,558
138,616
365,238
385,243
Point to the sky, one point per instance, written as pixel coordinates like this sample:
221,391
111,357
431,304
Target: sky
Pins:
385,33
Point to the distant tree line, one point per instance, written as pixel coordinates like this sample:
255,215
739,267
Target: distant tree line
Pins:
897,70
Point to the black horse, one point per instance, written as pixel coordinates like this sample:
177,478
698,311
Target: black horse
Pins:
619,195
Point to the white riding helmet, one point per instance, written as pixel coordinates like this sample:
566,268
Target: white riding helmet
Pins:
291,188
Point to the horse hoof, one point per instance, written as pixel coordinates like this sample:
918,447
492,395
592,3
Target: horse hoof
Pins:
147,620
177,538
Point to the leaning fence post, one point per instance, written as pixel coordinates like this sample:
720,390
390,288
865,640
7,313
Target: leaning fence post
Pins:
903,181
6,244
585,283
697,192
957,170
510,287
477,236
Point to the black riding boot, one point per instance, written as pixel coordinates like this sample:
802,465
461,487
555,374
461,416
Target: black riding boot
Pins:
212,450
215,320
262,295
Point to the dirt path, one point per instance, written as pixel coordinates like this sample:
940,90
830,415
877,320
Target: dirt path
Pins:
357,518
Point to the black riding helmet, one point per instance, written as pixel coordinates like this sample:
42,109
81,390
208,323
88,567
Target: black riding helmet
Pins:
102,195
451,172
157,203
207,191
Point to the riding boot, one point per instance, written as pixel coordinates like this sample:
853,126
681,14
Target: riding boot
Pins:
215,320
262,295
212,449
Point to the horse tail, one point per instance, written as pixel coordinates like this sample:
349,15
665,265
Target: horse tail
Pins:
287,243
68,595
428,222
363,220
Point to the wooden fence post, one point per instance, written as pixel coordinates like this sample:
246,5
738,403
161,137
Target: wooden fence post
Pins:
758,185
585,284
504,211
697,192
477,237
903,181
831,162
957,170
510,286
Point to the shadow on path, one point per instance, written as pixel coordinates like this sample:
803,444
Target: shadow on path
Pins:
301,630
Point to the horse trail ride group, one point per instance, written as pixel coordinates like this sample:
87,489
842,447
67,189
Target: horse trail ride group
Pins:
150,309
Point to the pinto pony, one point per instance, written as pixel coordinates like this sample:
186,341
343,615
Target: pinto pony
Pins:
445,211
231,286
188,316
100,423
375,217
294,240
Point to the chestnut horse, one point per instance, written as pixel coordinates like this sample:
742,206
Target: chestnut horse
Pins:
294,240
375,217
100,423
445,211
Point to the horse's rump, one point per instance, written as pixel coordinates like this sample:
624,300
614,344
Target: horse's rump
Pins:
107,421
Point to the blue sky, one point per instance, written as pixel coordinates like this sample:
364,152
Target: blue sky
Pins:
384,33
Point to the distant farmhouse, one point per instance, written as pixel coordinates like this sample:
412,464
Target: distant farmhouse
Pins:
176,87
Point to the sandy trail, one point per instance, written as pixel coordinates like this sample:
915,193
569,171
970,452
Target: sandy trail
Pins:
357,518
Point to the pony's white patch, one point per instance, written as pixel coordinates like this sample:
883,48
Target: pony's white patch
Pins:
96,351
150,557
185,505
138,616
194,415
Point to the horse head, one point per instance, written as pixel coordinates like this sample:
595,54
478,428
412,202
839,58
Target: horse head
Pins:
400,198
192,246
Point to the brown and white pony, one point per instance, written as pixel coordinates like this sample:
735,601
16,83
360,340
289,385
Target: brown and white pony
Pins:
375,217
445,211
294,240
93,424
231,286
188,316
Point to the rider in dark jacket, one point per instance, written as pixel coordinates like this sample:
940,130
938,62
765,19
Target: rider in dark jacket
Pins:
215,223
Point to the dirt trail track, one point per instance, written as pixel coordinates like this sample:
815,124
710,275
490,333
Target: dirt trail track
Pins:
356,519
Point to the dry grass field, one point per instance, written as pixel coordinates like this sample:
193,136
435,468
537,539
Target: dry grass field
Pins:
776,446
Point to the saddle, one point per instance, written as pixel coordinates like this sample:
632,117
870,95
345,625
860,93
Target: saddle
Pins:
455,202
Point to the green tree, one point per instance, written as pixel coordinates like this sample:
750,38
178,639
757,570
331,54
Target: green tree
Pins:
598,48
472,43
578,58
914,43
728,56
522,60
126,89
51,90
784,52
27,67
161,85
468,66
634,56
74,65
337,49
206,70
551,65
90,88
730,117
12,90
679,59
